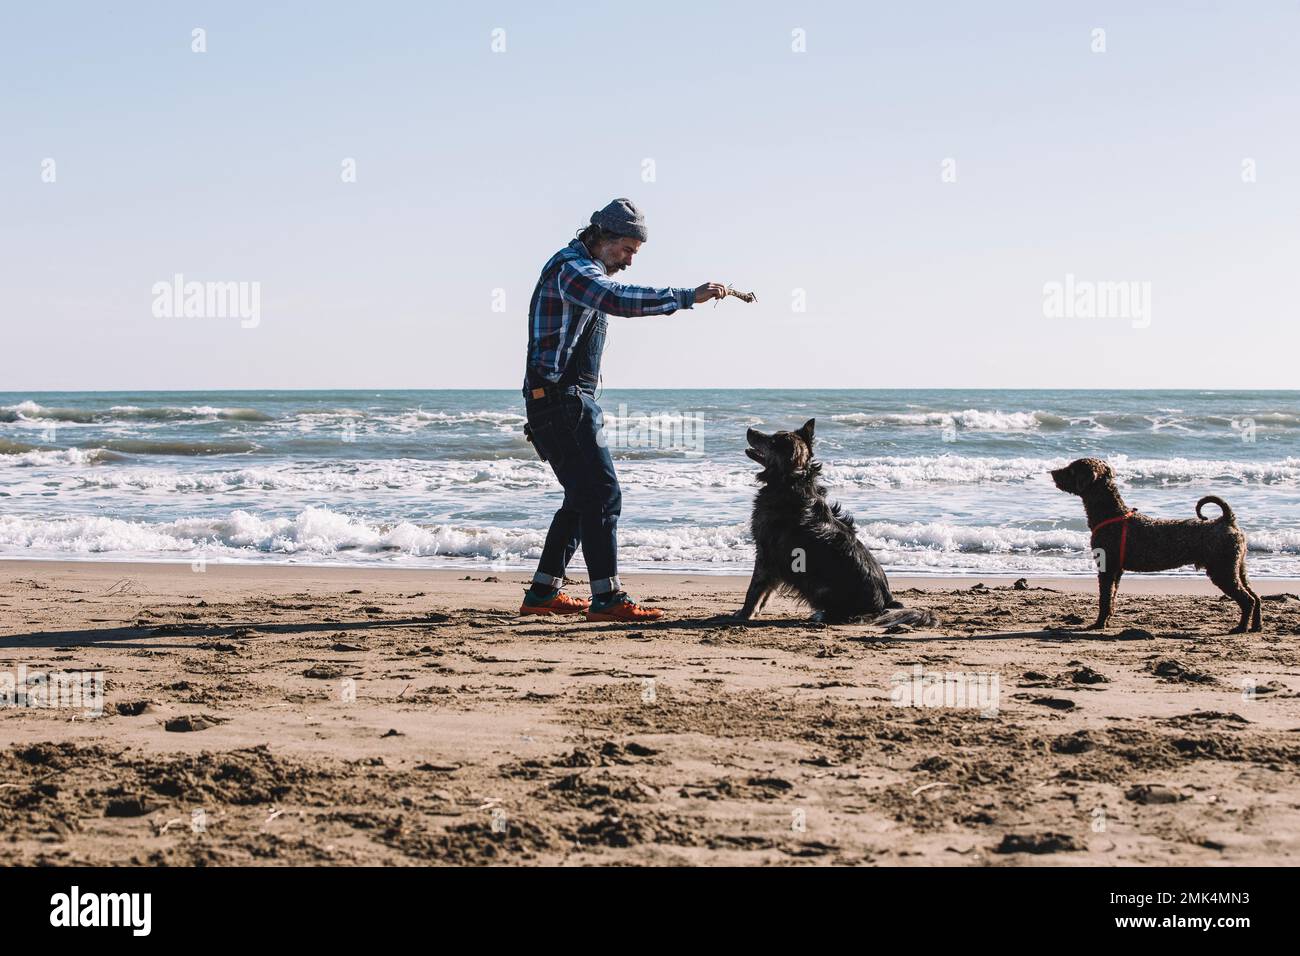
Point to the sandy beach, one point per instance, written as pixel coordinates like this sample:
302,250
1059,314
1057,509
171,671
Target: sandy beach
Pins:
305,715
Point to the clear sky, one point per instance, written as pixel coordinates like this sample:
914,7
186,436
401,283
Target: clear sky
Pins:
774,170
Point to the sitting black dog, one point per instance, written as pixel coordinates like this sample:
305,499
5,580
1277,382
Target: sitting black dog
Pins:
1124,540
807,547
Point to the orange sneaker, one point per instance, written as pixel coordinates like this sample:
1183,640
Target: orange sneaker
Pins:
557,603
619,607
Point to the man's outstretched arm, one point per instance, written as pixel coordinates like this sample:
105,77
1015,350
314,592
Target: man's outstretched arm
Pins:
586,286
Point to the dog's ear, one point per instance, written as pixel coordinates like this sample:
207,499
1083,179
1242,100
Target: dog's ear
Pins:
1100,470
1089,471
806,433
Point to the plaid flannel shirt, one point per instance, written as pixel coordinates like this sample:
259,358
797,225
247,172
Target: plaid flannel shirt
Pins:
573,290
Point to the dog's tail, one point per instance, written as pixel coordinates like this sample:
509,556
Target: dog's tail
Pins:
1227,515
911,616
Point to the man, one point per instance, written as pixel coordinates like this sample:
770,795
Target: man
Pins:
566,335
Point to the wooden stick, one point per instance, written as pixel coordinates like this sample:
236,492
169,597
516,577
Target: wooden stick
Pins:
742,296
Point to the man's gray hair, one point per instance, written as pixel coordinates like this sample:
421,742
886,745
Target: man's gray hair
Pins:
591,236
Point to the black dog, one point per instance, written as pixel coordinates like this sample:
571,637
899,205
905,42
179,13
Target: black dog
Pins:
806,546
1128,541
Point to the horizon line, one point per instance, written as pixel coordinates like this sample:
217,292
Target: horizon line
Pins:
663,388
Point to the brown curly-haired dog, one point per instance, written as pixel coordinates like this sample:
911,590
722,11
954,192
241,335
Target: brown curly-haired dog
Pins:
1127,541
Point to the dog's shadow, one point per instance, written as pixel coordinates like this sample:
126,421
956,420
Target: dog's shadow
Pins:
715,623
705,624
1062,635
1067,635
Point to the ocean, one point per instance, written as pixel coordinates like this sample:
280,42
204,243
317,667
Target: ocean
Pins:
941,482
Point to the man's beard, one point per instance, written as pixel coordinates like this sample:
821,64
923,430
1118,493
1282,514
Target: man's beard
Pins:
611,269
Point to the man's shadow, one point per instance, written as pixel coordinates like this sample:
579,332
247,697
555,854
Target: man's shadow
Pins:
147,637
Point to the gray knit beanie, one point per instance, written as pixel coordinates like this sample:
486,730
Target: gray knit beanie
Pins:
622,218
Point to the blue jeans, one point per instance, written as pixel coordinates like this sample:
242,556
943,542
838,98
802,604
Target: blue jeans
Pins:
566,433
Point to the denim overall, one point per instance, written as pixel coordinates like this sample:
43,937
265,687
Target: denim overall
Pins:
566,427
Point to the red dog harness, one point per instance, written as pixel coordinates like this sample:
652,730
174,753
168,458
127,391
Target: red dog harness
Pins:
1123,533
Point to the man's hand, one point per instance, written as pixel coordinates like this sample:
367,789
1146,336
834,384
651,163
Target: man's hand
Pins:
710,290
